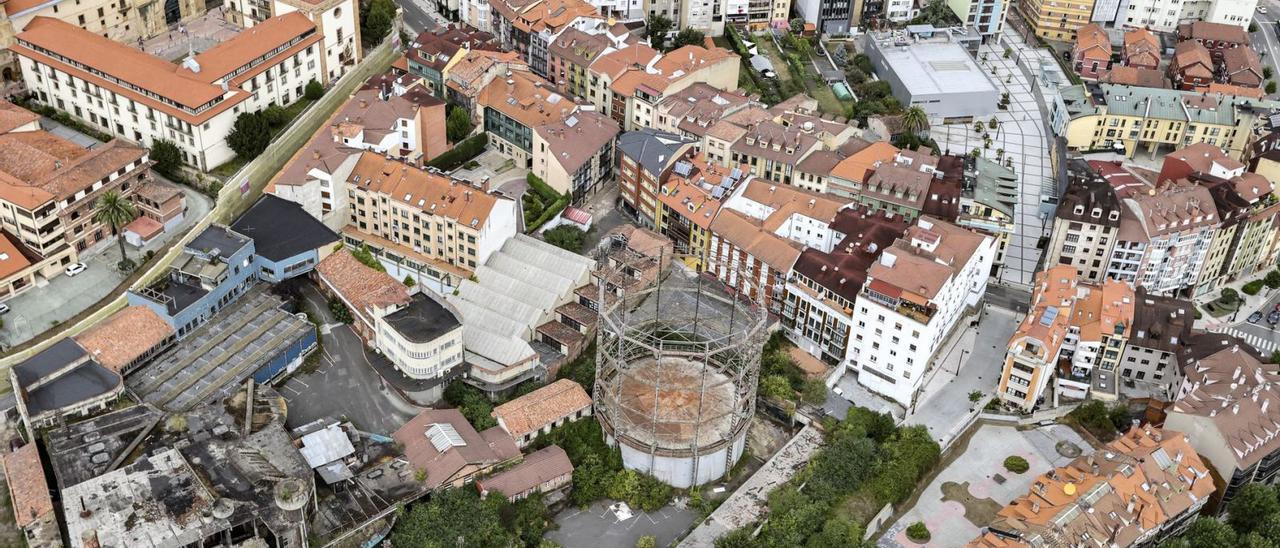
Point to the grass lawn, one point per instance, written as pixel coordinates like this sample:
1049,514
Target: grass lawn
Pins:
809,82
230,167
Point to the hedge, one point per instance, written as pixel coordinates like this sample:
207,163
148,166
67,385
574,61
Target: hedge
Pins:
544,190
547,214
461,154
1252,288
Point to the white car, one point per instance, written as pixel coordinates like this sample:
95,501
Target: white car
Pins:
76,268
1262,9
4,308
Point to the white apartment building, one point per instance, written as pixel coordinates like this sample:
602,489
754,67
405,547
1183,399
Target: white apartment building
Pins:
338,21
144,99
1155,15
1228,12
1164,237
986,16
916,293
423,339
900,11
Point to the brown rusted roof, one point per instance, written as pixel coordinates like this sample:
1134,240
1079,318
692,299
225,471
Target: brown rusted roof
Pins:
538,468
124,336
28,489
543,406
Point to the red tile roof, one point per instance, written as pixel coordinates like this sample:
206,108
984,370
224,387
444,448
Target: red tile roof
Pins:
125,336
28,489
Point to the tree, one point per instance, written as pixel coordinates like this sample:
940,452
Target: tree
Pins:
115,211
1016,464
1229,295
1254,540
275,116
737,538
1209,533
838,532
250,135
365,256
313,91
409,281
915,120
657,28
776,387
378,19
797,25
841,467
458,126
863,63
688,37
647,541
936,13
918,532
167,157
813,392
471,403
566,237
1270,528
436,522
1266,72
1251,506
1271,87
1273,279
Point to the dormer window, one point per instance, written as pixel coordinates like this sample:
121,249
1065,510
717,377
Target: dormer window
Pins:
1078,210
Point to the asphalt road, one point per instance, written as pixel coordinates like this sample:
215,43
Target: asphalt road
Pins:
1269,45
344,385
419,15
1260,335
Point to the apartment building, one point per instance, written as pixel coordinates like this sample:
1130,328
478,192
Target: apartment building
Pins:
985,16
144,99
1086,224
1091,54
987,201
901,185
570,54
1147,486
1217,37
1232,213
1154,120
511,108
434,52
689,199
338,21
576,156
1055,20
1156,15
1036,346
628,84
1161,326
760,231
849,175
1228,12
1141,50
398,121
529,27
1164,237
827,16
825,283
423,224
915,295
692,111
645,160
48,190
1223,401
474,72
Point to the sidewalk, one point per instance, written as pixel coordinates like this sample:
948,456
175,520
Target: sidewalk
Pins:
1251,304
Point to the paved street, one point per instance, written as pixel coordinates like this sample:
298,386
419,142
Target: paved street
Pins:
597,526
41,308
979,356
1022,135
1260,335
419,15
344,384
1269,45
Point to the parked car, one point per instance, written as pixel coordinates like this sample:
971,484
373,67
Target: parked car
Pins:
1255,317
76,268
1262,9
4,308
1273,318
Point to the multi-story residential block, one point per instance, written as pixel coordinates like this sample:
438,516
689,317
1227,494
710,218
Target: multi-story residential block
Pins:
772,150
1224,397
511,108
1147,486
145,99
529,27
1164,238
48,190
1199,158
1086,224
1160,327
576,156
1148,119
570,54
1099,330
692,111
1237,13
828,16
902,185
1035,348
760,231
422,224
987,202
690,199
400,122
985,16
1091,54
645,159
1053,20
338,21
628,84
915,295
1156,15
826,283
470,75
434,52
849,176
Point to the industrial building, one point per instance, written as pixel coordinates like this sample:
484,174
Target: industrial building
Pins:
932,68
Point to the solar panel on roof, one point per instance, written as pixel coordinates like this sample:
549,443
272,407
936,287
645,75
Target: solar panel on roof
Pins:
717,192
443,436
1050,314
683,168
737,172
572,121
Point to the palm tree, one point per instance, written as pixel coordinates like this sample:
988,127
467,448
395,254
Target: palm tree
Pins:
117,211
915,120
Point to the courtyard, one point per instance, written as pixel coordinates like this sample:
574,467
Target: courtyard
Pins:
973,484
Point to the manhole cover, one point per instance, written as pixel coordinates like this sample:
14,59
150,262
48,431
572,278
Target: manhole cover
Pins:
1067,449
999,479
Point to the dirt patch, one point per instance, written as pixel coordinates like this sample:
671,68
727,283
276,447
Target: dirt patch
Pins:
979,512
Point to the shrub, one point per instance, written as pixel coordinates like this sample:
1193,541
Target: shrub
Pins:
250,135
1016,464
918,532
647,541
409,281
1252,288
167,157
1229,295
1271,87
275,115
458,124
566,237
975,395
1272,280
340,311
461,154
365,256
314,91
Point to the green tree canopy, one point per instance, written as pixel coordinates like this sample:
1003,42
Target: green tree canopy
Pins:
1209,533
378,19
657,27
114,210
688,37
453,517
167,157
1251,506
250,135
567,237
458,126
313,90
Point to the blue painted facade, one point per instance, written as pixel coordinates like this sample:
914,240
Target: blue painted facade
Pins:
214,270
280,363
292,267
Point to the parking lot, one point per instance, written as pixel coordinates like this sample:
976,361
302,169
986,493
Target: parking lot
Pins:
598,526
343,383
973,486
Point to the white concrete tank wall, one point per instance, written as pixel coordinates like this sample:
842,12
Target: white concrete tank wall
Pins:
678,471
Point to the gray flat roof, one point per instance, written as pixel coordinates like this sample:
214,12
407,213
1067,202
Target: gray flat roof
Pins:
423,320
84,450
932,68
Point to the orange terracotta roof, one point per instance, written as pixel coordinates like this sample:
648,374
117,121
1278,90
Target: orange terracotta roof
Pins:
12,260
253,43
1093,42
364,287
858,165
13,116
28,489
125,336
37,167
527,99
532,411
1239,91
418,188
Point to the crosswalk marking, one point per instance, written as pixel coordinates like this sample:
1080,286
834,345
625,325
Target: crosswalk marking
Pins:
1263,345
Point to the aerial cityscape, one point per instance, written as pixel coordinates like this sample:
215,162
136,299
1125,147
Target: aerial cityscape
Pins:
639,273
